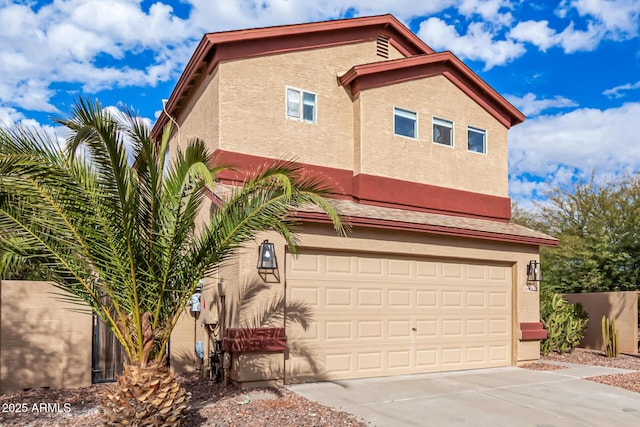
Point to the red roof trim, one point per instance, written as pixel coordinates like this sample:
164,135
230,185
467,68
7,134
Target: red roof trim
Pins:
427,228
378,74
270,39
379,191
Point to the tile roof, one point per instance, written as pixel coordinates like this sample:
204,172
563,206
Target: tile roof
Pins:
358,214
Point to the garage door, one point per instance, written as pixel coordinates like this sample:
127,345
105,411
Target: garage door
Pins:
368,316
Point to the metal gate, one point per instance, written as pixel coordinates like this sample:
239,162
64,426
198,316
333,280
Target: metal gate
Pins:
108,354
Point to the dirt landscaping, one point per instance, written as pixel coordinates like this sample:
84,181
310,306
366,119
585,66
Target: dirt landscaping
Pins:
212,405
216,405
630,381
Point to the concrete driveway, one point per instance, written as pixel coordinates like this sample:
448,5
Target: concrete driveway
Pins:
486,397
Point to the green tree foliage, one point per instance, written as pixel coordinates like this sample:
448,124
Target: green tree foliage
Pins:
106,220
598,225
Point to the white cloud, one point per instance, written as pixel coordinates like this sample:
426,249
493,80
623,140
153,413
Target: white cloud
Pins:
618,17
559,147
68,40
570,39
9,116
522,188
537,33
602,19
616,92
573,40
477,44
530,105
490,10
227,15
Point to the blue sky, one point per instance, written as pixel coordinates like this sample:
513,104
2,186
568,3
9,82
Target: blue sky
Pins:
572,66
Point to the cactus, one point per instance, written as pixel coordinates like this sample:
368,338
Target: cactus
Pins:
610,337
565,323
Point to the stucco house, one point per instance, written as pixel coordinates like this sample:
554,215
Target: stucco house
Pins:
432,276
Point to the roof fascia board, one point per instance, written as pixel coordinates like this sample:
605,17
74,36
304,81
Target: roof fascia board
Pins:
378,74
400,37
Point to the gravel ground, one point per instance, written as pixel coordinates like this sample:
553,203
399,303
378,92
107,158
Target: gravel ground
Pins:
541,366
593,357
215,405
212,405
630,381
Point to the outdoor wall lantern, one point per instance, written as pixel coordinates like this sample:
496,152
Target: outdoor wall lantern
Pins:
267,257
534,274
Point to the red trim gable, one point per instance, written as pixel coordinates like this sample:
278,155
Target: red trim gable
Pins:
379,74
216,47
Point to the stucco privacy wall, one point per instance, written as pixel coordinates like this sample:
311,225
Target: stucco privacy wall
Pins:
44,342
421,160
623,306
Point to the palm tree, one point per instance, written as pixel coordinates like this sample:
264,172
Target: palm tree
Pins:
104,219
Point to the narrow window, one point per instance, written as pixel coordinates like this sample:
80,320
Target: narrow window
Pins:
405,123
476,140
301,105
443,131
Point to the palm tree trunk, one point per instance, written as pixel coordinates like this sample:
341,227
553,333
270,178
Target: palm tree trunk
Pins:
145,396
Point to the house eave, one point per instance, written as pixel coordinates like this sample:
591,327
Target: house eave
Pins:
216,47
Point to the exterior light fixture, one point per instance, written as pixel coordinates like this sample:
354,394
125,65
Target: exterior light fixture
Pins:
267,256
534,274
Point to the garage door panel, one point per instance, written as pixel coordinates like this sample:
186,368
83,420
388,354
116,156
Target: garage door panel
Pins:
374,316
426,299
399,359
369,297
339,297
370,330
338,265
370,267
400,268
498,353
368,361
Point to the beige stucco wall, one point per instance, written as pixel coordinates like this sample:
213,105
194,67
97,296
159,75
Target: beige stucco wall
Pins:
241,108
44,342
623,306
421,160
240,274
253,116
199,117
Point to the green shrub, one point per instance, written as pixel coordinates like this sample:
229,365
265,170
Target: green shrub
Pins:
565,323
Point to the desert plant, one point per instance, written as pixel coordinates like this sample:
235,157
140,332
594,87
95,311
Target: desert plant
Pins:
104,219
610,337
565,323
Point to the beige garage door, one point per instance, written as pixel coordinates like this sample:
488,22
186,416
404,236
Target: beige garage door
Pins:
374,315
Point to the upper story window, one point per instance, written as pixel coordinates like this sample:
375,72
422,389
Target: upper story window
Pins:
443,131
405,123
301,105
476,140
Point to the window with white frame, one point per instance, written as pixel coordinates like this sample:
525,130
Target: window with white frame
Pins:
405,123
476,140
301,105
443,131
